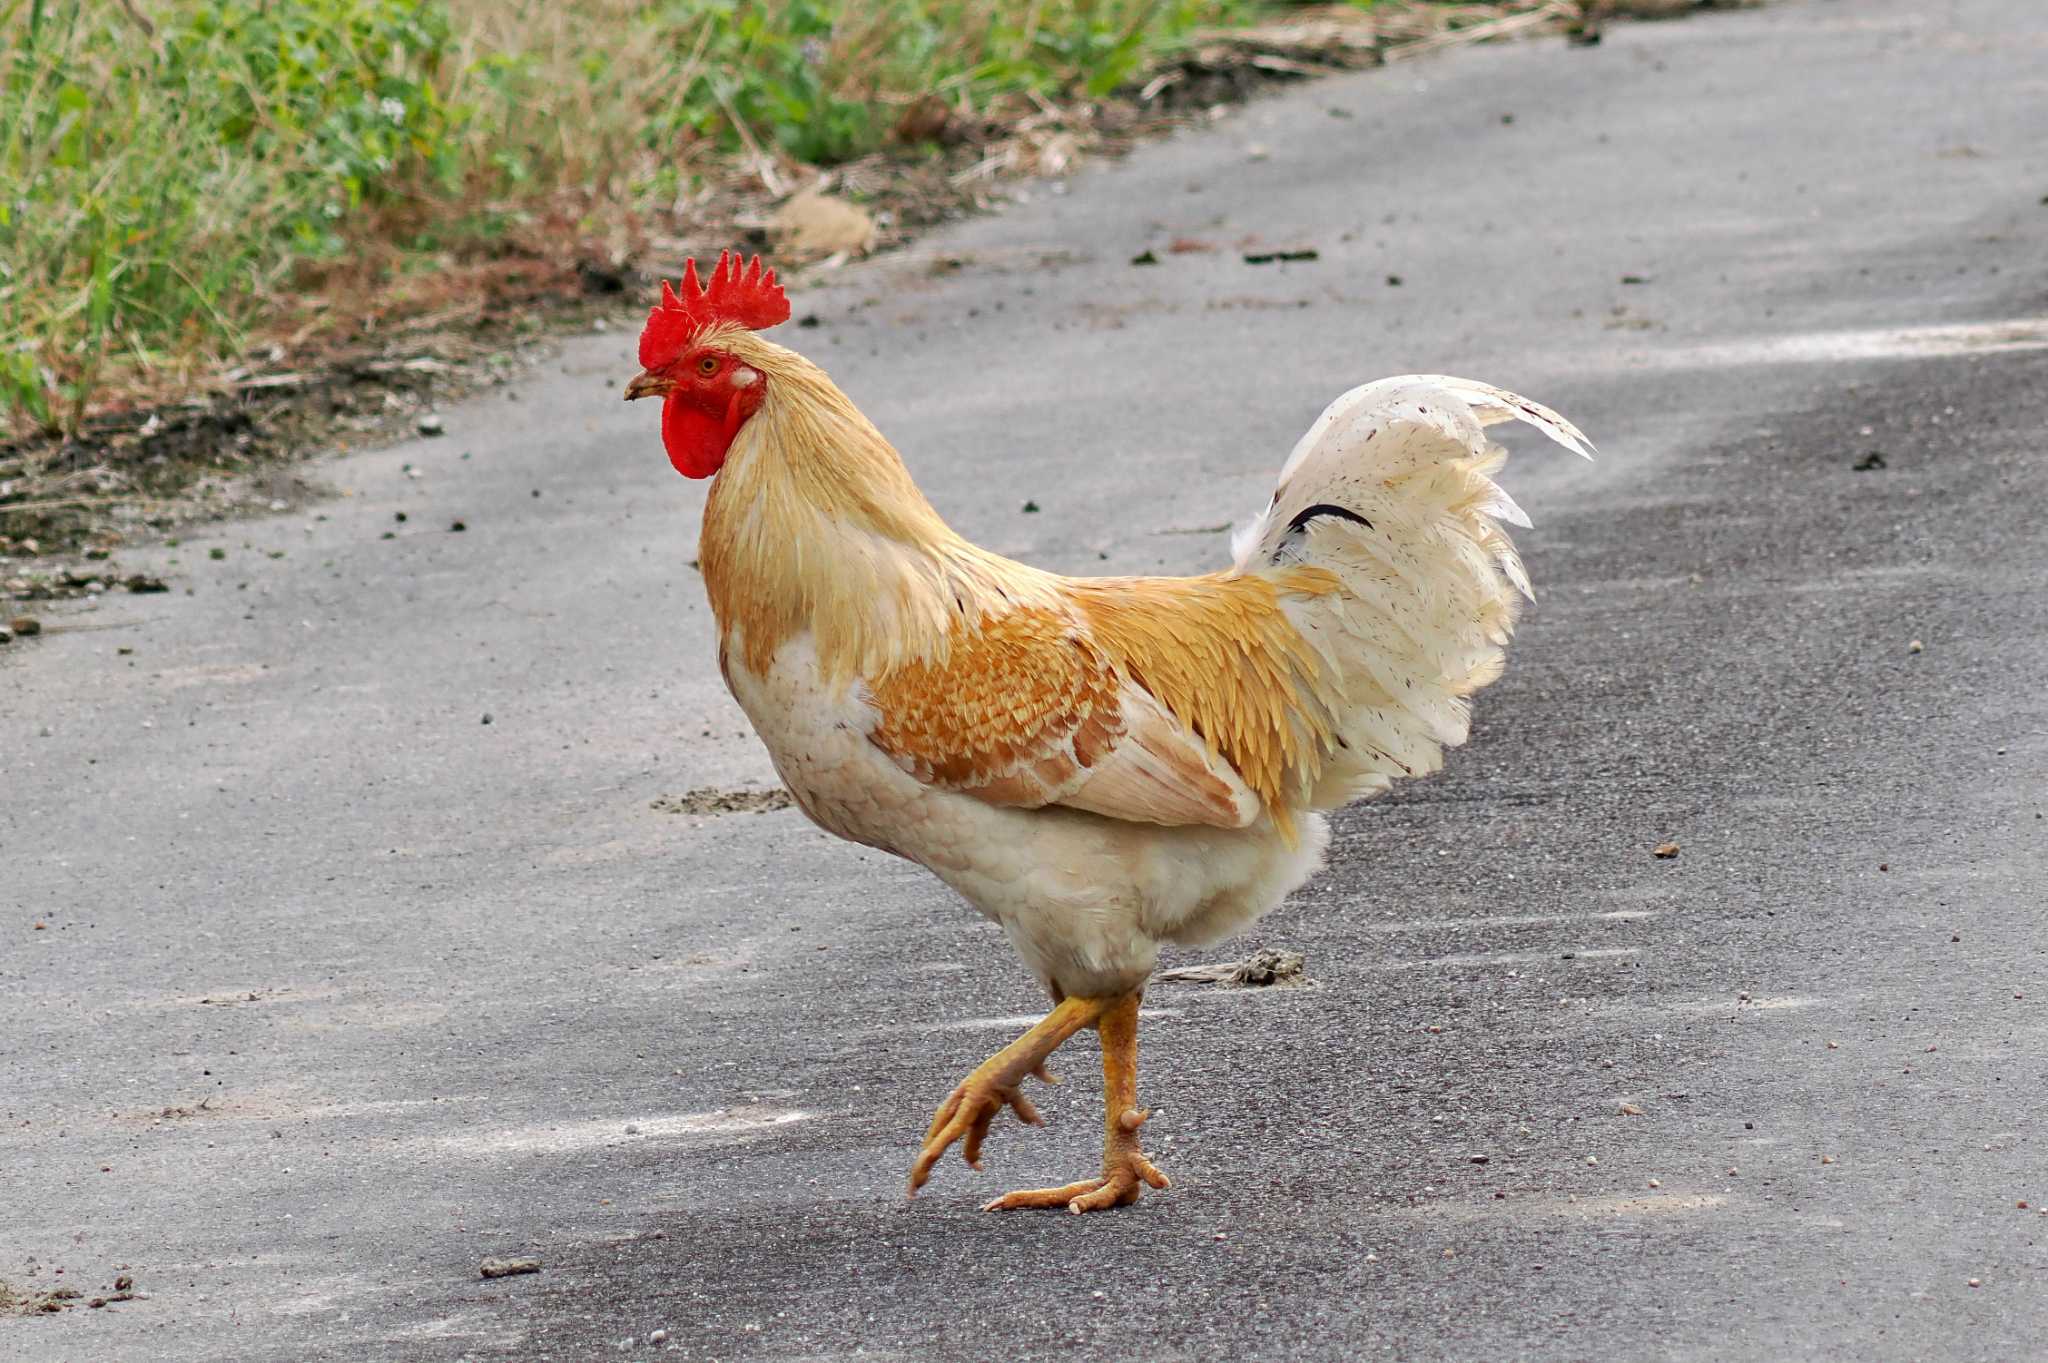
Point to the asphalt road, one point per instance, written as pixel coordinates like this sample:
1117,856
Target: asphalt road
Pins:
317,988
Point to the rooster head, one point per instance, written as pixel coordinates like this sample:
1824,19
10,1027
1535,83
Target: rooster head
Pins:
687,359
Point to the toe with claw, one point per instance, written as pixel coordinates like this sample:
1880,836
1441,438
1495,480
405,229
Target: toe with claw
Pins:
965,1117
1125,1174
998,1084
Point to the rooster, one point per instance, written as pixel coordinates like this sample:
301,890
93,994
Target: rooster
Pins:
1098,765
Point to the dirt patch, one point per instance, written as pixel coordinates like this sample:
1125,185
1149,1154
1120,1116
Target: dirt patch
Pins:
27,1302
48,1301
709,800
228,449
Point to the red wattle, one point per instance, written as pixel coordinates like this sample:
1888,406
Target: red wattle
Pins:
696,441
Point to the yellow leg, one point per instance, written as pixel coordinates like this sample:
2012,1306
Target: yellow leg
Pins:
1125,1170
993,1086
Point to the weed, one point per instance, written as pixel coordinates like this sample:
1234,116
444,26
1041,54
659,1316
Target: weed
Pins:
164,179
170,178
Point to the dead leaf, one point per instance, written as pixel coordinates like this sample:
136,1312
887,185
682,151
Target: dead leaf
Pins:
814,224
926,120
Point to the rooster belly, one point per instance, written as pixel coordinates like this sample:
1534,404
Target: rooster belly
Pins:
1086,900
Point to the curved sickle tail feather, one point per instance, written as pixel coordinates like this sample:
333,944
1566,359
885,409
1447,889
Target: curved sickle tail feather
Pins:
1391,491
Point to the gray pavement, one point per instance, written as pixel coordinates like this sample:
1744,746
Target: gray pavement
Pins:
316,988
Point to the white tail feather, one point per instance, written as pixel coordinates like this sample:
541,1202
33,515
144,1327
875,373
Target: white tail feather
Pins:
1392,491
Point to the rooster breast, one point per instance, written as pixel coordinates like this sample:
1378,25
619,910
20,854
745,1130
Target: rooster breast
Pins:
1086,899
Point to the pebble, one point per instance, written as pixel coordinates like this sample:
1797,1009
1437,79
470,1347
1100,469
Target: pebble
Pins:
431,424
1592,1162
632,1130
25,625
6,635
1915,647
657,1337
1976,1282
495,1267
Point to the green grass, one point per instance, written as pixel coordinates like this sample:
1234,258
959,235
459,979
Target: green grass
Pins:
168,170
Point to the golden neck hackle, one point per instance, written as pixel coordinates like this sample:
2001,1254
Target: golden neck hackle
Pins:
814,526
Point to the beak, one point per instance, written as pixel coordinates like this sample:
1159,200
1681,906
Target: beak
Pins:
647,386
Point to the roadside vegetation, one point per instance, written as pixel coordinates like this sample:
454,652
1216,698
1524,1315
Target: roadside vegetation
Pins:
190,180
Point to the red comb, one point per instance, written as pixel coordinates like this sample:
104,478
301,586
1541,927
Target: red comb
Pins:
748,296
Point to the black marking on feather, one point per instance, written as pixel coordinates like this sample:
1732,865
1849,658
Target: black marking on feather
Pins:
1291,539
1307,514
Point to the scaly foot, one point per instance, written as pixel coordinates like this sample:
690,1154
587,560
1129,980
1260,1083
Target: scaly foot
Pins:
1125,1172
995,1085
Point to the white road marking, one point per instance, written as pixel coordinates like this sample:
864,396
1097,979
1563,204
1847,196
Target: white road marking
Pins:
559,1137
1600,1207
1026,1021
1509,958
1530,920
1880,343
1722,1004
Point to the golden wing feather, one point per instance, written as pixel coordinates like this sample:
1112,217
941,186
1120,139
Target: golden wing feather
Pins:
1172,701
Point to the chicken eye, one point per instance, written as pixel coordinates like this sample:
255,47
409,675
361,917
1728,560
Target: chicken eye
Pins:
707,366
